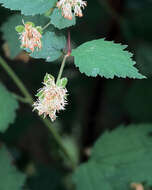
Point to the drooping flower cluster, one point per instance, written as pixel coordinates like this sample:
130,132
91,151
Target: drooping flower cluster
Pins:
30,37
51,98
70,7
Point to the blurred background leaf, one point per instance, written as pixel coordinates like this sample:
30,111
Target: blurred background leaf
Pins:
10,177
8,106
94,104
118,159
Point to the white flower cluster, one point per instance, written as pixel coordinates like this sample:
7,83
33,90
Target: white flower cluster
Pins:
51,99
70,7
30,37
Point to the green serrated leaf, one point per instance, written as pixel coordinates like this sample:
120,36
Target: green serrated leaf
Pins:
119,158
19,28
12,40
28,7
7,108
118,146
59,21
62,82
10,177
91,176
52,46
105,58
9,28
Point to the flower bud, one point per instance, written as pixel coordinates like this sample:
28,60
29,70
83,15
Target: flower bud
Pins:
51,98
70,7
30,36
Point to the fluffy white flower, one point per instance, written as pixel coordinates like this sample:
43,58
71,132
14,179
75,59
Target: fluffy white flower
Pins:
30,37
70,7
51,99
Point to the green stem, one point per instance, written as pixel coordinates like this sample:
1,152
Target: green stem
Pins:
62,67
16,80
59,142
29,100
20,98
48,24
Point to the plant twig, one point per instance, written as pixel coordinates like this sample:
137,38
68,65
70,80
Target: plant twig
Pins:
48,24
16,80
69,43
65,57
59,142
20,98
62,67
29,100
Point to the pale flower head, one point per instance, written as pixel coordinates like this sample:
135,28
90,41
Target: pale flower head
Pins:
137,186
30,36
70,7
51,98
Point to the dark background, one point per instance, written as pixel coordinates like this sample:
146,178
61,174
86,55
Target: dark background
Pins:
94,104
